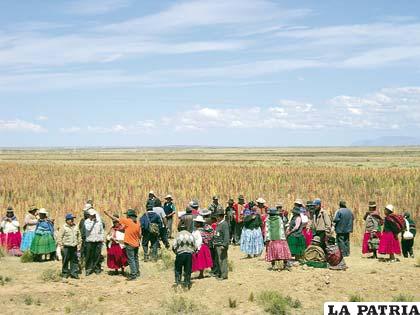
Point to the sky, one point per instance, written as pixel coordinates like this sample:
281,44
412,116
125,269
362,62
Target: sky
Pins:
208,72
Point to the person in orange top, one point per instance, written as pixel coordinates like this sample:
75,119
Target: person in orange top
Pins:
132,234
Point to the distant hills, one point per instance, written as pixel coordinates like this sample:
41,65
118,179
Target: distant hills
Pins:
388,141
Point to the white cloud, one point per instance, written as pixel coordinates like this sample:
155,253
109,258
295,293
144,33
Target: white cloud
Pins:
20,125
140,127
42,118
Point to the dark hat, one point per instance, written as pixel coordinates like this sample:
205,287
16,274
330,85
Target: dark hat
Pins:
194,204
150,204
309,203
342,204
219,213
317,202
372,204
273,211
216,197
241,197
69,216
407,214
131,213
230,201
296,210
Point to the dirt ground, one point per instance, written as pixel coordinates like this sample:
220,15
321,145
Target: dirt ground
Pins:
27,293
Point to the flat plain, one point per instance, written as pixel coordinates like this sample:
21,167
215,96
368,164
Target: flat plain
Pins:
117,179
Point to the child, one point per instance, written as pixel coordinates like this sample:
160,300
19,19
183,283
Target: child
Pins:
407,240
184,246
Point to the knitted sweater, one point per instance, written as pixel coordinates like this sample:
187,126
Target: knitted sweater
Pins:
184,243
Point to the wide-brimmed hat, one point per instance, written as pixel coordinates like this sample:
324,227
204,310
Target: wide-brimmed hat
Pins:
298,202
317,202
131,213
168,197
43,211
204,212
309,203
261,200
69,216
92,211
273,211
372,204
32,209
316,239
87,207
194,204
215,197
9,209
390,208
279,204
241,197
199,218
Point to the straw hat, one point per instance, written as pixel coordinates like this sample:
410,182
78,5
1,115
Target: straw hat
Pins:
261,200
390,207
299,202
168,197
43,211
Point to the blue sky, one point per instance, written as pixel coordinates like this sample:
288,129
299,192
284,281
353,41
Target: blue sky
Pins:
208,72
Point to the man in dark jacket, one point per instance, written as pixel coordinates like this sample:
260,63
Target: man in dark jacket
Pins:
187,220
221,244
343,221
148,222
230,218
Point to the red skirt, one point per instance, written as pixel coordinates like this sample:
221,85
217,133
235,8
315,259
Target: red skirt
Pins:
202,260
116,257
11,242
365,244
277,250
308,236
389,244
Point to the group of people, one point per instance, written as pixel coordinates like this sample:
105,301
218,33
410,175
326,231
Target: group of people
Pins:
204,236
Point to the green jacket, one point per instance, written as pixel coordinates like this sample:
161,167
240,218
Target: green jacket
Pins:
69,236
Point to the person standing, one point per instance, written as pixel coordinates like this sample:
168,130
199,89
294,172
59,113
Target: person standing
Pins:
132,232
69,240
151,198
94,240
373,224
203,234
163,232
115,248
10,236
407,240
343,220
252,242
221,243
43,242
230,218
295,238
321,222
82,230
239,208
187,219
29,227
170,211
215,206
184,246
388,243
275,240
151,225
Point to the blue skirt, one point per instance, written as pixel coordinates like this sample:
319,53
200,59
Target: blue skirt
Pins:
27,241
252,242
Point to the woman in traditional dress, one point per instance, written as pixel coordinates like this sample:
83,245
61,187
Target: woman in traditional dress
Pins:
252,242
295,238
43,242
29,229
10,237
306,226
116,255
275,240
373,223
203,235
388,243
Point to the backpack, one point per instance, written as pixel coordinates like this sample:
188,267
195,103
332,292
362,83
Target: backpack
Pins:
334,256
398,222
152,228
